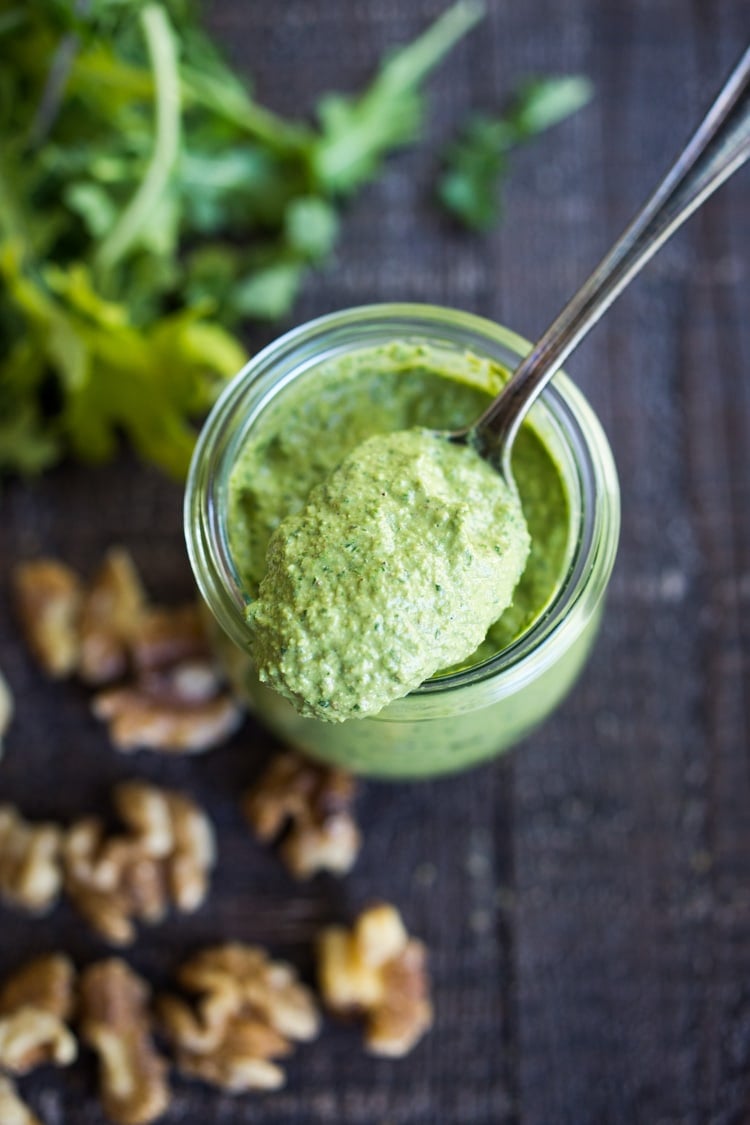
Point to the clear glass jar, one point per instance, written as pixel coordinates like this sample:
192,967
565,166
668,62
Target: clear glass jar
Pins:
458,719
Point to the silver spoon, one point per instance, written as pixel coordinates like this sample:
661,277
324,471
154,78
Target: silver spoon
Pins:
720,145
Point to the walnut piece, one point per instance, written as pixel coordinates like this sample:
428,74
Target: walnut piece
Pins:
176,702
110,616
46,982
378,971
35,1002
6,712
30,1036
166,637
12,1110
115,1022
247,1011
140,718
30,862
163,688
48,600
164,859
171,827
312,804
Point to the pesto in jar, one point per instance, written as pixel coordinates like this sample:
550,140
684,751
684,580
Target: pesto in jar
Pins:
300,439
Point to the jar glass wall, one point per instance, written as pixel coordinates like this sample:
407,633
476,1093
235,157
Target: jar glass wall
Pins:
452,720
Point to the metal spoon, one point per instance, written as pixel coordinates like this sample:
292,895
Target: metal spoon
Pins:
720,145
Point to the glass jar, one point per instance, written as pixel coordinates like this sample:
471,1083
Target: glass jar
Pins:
454,720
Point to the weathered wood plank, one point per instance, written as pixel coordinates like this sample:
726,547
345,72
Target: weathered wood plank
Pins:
586,900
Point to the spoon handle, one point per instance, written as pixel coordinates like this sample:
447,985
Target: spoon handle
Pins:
720,145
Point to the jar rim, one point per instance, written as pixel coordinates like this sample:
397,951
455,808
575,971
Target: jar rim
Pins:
580,590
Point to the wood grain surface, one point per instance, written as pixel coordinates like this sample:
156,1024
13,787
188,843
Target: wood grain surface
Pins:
586,899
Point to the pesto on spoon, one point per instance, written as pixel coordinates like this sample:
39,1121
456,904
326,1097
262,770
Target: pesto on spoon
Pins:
401,560
397,565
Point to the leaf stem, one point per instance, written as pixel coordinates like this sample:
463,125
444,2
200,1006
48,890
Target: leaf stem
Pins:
236,107
162,50
410,65
400,76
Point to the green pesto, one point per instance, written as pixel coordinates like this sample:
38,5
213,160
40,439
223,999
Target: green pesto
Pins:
307,430
396,566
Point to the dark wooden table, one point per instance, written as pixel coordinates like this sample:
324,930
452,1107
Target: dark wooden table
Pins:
586,899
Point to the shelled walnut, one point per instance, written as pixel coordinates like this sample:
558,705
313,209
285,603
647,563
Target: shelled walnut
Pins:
175,701
35,1004
110,615
378,971
30,862
165,638
248,1010
162,713
48,598
164,859
163,690
12,1110
114,1021
312,805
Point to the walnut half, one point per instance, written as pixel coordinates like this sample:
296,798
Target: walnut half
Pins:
143,716
247,1011
164,859
161,688
312,805
378,971
35,1002
30,862
175,702
112,609
48,598
115,1022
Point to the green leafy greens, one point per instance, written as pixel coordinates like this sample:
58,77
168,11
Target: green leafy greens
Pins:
478,161
148,204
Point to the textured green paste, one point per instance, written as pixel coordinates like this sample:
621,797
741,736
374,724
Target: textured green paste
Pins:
399,555
396,566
